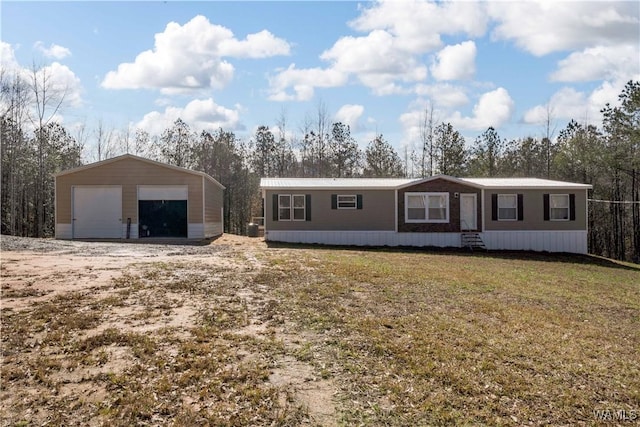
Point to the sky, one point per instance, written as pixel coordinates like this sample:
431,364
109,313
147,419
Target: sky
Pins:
375,66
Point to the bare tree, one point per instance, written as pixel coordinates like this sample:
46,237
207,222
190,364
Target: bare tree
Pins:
428,148
314,145
104,142
547,140
14,96
141,143
286,160
125,142
48,98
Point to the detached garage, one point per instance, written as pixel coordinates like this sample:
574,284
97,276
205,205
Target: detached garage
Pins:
133,197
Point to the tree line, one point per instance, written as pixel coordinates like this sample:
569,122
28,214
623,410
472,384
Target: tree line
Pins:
35,146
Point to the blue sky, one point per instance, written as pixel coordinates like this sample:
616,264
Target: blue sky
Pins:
373,65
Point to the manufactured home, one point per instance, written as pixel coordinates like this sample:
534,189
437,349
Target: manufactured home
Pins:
130,197
440,211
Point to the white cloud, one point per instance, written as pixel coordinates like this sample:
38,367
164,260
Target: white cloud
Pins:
303,82
199,114
377,59
456,62
444,94
542,27
8,57
569,103
54,51
349,114
162,102
413,121
258,45
387,59
493,109
191,57
599,62
418,25
62,83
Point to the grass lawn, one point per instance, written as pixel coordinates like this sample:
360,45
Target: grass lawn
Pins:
288,336
470,339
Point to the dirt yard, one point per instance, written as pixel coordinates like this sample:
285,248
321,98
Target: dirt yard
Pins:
237,333
122,333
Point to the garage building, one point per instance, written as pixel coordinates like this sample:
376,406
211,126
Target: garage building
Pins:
133,197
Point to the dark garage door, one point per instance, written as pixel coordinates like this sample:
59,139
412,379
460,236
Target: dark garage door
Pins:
162,218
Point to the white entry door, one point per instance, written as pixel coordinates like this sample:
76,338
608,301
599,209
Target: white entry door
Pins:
468,211
97,212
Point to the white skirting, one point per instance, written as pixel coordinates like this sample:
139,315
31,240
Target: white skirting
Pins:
550,241
365,238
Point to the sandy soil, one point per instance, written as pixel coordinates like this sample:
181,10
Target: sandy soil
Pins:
37,271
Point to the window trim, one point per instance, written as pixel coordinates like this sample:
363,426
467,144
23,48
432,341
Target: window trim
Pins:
355,201
304,207
291,208
280,207
515,196
568,207
426,195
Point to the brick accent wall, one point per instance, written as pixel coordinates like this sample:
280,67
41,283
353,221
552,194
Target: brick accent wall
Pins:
439,186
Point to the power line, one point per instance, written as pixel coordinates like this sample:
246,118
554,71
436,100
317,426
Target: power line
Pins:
616,202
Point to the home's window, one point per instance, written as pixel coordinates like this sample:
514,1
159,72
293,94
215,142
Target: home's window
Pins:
438,207
427,207
284,207
347,201
507,207
559,207
298,207
291,207
416,207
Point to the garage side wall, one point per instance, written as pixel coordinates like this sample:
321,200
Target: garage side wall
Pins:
213,202
128,173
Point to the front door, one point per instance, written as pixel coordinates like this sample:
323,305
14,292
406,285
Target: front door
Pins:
468,211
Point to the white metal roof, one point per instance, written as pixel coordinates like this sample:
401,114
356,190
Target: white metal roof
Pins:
329,183
523,183
393,183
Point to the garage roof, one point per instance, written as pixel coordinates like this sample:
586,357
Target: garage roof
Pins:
142,159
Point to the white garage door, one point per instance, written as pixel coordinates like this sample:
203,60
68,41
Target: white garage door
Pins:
97,212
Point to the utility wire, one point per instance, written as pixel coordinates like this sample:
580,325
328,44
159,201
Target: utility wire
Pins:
617,202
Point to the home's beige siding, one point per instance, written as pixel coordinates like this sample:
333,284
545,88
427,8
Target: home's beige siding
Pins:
377,213
129,173
533,212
